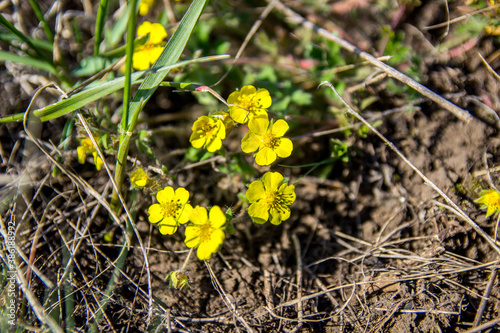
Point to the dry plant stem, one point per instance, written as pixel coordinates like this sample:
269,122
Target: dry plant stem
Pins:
460,18
460,212
488,66
411,278
484,326
40,313
78,180
485,298
458,112
226,299
183,268
298,272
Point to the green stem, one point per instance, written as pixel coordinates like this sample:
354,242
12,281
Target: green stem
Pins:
39,16
99,25
128,67
126,130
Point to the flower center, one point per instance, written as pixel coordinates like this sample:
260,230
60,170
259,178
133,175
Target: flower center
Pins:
278,200
205,232
172,208
208,130
270,141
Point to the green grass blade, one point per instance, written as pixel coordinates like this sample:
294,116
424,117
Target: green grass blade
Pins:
169,56
39,16
99,25
8,37
29,61
11,28
90,95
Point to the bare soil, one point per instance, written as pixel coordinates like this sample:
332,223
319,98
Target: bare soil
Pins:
370,247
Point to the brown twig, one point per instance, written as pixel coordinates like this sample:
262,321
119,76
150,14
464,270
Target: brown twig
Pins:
484,299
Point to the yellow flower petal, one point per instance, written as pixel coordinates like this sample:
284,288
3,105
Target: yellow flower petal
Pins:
144,29
490,199
239,115
165,195
288,191
265,156
214,145
156,213
197,141
167,226
192,236
97,161
259,125
181,195
259,212
80,151
204,251
157,34
280,127
248,90
144,6
264,98
141,60
199,215
186,212
272,180
216,217
250,142
284,148
256,191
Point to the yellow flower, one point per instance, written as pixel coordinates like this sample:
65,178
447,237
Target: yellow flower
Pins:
87,147
171,210
146,55
144,6
266,138
270,198
139,178
208,133
490,199
225,118
252,102
206,232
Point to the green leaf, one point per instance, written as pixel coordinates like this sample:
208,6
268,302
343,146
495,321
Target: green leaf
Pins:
92,94
169,56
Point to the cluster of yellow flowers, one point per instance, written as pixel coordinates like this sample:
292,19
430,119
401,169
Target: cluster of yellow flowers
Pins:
246,106
205,230
269,197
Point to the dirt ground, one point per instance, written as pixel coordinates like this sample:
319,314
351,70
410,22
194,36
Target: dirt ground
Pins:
369,247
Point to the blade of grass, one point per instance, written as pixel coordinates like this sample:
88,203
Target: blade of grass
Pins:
127,89
170,55
29,61
11,28
99,25
92,94
8,37
39,16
